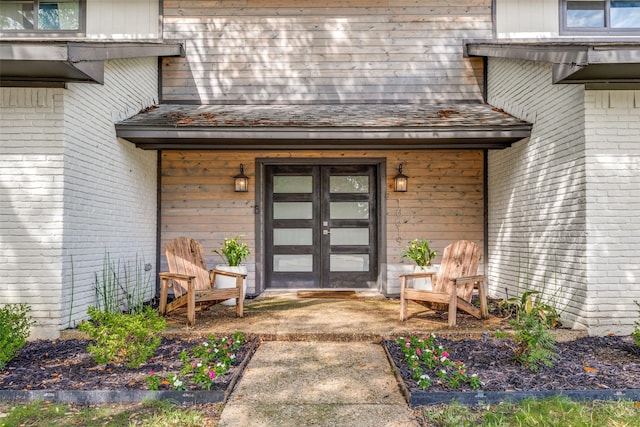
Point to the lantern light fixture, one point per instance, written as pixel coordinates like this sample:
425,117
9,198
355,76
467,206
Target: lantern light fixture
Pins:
241,181
401,181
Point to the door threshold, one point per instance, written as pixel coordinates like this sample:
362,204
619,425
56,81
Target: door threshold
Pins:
295,292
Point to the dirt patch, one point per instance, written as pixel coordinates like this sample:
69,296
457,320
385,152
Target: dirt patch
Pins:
66,365
588,363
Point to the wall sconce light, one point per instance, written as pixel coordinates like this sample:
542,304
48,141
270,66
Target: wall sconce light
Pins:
401,181
241,181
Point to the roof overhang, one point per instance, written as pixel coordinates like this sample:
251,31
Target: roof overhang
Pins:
598,64
322,127
44,63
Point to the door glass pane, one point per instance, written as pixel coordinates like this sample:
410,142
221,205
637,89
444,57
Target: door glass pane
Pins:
292,210
350,236
349,210
293,236
292,184
293,263
349,262
625,14
349,184
585,14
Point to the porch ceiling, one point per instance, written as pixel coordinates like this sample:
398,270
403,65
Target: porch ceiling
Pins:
47,63
464,125
598,64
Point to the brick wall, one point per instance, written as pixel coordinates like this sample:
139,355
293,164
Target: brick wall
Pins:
31,201
537,192
612,134
110,191
70,189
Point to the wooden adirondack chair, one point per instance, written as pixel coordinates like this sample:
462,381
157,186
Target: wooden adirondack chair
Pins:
453,285
192,283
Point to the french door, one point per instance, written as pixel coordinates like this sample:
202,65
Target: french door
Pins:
321,226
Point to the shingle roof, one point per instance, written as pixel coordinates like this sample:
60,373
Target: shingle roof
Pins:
211,125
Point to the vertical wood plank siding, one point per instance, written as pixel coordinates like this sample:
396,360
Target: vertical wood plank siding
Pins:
444,202
292,51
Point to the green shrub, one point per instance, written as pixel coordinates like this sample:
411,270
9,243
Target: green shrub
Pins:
529,305
123,338
15,323
536,345
636,331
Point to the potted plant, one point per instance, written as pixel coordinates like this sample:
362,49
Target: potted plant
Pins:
419,251
234,253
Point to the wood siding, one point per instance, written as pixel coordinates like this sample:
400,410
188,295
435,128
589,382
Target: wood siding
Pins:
123,20
294,51
527,18
445,201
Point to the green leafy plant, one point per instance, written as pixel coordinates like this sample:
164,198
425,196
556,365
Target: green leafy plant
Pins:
420,252
202,364
636,331
233,252
530,305
15,324
123,338
536,346
426,360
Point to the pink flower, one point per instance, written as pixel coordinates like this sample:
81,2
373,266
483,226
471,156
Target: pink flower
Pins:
445,354
212,375
461,371
152,373
418,352
193,365
407,345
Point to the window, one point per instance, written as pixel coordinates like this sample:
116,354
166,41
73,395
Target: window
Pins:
609,16
42,16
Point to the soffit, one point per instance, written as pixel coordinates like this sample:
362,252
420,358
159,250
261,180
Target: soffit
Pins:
472,125
46,63
599,64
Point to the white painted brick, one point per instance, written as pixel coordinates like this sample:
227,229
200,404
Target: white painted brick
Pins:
73,190
577,205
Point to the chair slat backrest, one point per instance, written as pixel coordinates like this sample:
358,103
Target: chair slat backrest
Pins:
186,256
459,259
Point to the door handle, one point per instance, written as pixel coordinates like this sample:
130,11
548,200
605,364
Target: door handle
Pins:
326,232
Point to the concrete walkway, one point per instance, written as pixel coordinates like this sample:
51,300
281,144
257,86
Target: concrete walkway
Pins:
317,384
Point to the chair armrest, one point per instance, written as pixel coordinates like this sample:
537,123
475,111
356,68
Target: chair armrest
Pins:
476,280
226,273
418,275
175,276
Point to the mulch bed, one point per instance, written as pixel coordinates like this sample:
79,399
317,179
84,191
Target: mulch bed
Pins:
66,365
588,363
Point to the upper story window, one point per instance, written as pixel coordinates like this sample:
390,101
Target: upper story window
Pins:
598,16
40,16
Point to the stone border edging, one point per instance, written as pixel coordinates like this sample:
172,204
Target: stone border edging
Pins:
480,397
130,396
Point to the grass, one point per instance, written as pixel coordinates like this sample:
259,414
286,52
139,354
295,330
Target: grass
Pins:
555,411
155,413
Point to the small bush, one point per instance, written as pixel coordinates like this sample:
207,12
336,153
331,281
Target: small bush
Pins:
123,338
15,323
530,305
536,346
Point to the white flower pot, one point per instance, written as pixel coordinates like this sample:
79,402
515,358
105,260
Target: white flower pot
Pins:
224,282
424,283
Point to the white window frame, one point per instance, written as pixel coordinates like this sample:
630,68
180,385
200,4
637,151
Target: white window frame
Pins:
35,32
606,30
